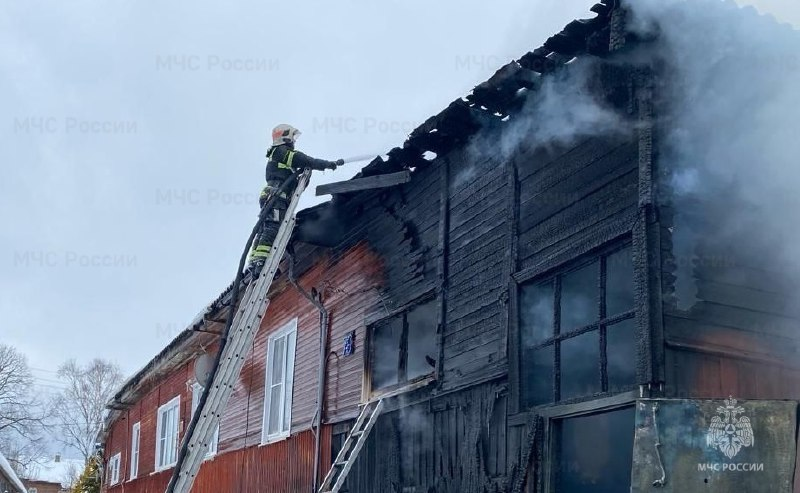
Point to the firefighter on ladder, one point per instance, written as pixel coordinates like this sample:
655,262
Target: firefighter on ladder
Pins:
282,161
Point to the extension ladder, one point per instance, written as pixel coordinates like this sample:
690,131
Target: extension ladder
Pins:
351,447
240,338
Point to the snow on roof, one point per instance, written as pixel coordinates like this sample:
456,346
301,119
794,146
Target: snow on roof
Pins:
5,469
57,472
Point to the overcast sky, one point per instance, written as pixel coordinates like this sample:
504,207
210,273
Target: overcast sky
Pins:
133,137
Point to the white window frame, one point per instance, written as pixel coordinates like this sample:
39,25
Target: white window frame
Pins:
197,391
175,402
289,332
113,469
136,445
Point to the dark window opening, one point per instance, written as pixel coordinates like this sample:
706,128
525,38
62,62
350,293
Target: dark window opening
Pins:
582,356
580,293
621,343
577,330
594,453
421,321
403,348
386,341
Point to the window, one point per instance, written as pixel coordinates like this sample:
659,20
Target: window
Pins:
594,453
136,433
577,331
278,388
167,434
402,348
197,391
113,469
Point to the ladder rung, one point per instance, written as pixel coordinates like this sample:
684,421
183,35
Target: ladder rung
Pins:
243,330
357,438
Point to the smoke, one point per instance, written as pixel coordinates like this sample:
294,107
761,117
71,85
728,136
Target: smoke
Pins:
728,138
729,133
564,108
322,225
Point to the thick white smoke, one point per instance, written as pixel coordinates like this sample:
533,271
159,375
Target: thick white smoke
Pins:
730,137
561,110
728,121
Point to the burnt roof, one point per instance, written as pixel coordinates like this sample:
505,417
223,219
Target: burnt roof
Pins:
489,103
502,95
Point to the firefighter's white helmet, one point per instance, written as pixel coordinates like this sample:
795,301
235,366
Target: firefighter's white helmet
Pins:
284,134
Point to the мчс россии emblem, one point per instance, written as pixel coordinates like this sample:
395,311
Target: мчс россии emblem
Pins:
729,431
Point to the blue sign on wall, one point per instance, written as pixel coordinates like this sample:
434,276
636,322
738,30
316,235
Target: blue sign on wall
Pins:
350,343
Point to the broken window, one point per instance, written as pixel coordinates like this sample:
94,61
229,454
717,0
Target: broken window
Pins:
577,330
402,348
421,322
594,453
386,343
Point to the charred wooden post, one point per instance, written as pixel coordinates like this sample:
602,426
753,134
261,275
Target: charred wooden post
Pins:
443,242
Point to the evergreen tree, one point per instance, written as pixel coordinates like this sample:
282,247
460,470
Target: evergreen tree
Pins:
89,481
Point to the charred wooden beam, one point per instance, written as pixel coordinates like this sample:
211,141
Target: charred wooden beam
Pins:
408,156
538,62
501,86
439,133
580,28
565,45
368,183
598,43
601,9
442,267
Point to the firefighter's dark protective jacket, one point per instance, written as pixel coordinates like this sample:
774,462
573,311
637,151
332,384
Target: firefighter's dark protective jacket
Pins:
283,160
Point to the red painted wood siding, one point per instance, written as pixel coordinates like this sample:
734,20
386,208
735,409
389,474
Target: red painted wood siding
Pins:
281,467
349,285
145,412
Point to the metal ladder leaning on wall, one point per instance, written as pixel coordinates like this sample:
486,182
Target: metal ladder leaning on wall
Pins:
351,447
243,330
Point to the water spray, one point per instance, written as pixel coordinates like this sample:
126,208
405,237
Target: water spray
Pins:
361,157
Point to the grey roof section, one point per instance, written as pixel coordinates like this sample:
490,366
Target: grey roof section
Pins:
11,476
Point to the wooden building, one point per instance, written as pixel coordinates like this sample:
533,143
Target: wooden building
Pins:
514,303
41,486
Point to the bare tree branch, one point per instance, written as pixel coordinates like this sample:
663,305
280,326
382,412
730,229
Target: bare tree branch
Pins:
22,414
80,408
70,476
25,455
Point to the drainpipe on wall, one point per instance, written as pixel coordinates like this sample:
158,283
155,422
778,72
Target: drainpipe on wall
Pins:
315,297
